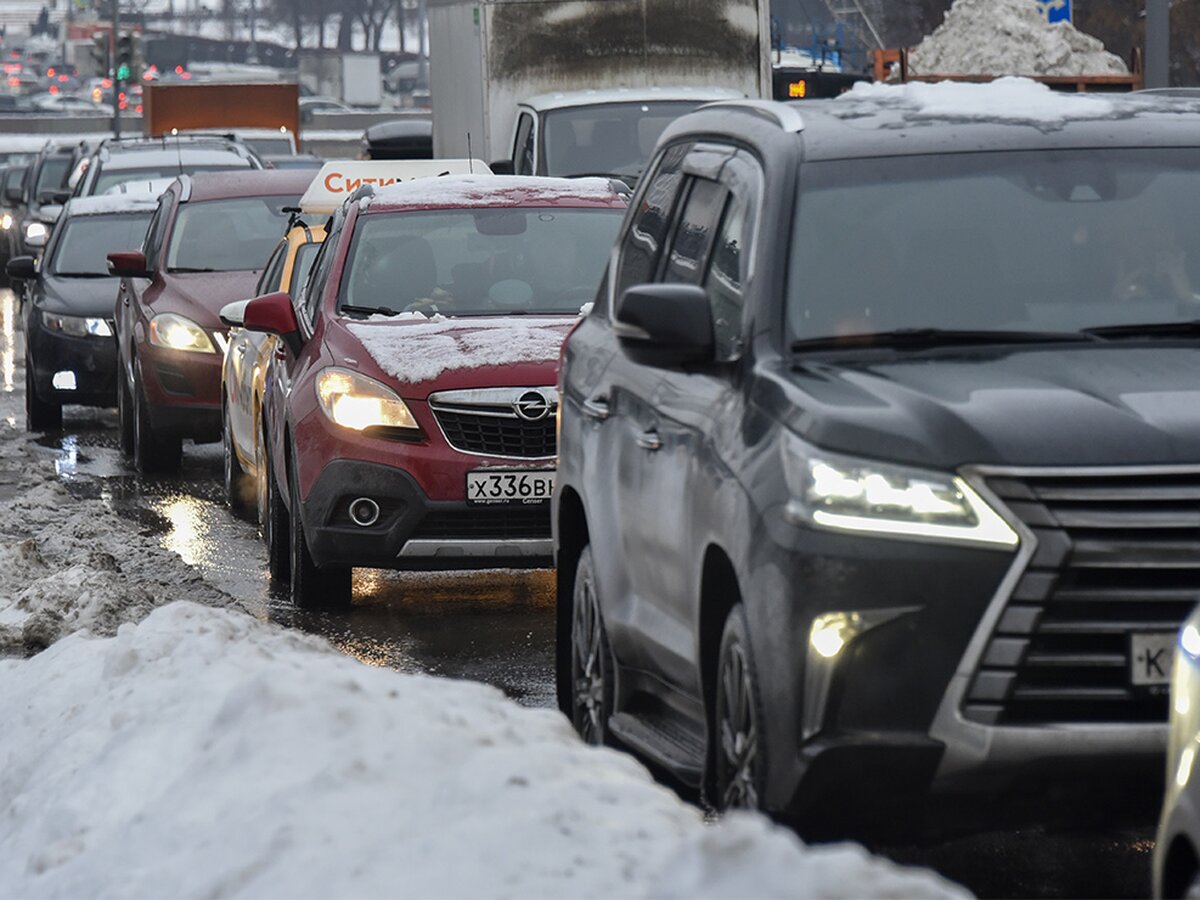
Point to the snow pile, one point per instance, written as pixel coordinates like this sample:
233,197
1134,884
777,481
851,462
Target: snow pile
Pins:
465,191
1009,37
68,564
202,753
1007,99
413,352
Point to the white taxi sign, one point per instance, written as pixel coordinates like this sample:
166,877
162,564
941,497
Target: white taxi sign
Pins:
339,179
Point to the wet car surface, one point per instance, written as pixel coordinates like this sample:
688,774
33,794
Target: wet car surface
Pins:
496,627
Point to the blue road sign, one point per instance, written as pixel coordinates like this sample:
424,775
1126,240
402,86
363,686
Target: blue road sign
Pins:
1056,10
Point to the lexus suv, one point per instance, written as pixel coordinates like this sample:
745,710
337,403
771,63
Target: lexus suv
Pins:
880,450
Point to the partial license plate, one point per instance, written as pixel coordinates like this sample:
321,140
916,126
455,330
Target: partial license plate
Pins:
488,486
1150,657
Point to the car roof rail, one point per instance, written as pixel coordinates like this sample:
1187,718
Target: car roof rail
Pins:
787,118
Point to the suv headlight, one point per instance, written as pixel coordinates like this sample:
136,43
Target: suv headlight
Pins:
77,326
842,493
36,230
358,402
175,332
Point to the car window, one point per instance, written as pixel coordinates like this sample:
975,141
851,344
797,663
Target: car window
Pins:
723,281
82,250
523,146
694,233
642,245
110,178
268,281
314,286
227,235
306,255
52,176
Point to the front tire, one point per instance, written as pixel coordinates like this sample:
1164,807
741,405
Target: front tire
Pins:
276,527
236,480
125,433
151,452
40,415
313,586
591,659
738,741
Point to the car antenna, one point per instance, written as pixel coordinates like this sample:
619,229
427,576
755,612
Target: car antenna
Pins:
470,156
178,149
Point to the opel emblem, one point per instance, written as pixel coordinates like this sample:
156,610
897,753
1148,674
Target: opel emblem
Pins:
532,406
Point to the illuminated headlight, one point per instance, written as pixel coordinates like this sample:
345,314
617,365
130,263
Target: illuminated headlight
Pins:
175,332
856,495
36,231
355,401
6,221
77,326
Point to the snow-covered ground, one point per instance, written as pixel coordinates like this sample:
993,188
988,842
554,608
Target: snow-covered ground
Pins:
159,742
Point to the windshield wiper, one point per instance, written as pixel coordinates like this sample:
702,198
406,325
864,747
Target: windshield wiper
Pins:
1148,329
370,310
82,275
191,270
920,338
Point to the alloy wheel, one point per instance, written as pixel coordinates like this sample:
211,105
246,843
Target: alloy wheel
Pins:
737,722
590,680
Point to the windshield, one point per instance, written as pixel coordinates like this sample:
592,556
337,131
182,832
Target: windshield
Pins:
607,139
302,264
1021,241
52,176
108,178
227,235
479,262
83,248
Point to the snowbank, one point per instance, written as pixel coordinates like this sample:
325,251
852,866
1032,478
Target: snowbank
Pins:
1009,99
1009,37
203,753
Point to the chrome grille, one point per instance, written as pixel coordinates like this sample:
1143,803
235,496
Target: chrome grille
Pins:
487,422
1117,555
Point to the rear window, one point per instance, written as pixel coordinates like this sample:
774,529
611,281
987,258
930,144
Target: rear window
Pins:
227,235
111,177
83,248
479,261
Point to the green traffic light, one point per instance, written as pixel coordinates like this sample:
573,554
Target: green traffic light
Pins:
123,72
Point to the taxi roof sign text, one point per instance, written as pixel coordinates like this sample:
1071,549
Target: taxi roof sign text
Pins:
339,179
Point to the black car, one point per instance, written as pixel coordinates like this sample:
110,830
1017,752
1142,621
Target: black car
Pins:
70,351
410,138
880,451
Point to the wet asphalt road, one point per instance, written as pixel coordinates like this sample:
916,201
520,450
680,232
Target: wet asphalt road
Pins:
495,627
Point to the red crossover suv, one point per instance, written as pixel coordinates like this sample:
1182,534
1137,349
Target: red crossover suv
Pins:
210,235
410,412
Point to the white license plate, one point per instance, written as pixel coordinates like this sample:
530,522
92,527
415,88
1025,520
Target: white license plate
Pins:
510,486
1150,658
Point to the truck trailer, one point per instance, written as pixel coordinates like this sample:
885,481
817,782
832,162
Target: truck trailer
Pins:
508,77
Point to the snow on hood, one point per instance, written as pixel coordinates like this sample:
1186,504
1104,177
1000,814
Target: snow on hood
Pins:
106,204
414,352
202,753
1010,37
465,191
1006,99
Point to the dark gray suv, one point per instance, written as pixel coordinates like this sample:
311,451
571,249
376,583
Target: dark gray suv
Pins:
880,450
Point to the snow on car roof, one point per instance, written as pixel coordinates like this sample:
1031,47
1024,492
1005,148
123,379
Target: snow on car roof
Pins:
1005,99
460,191
106,204
563,99
414,352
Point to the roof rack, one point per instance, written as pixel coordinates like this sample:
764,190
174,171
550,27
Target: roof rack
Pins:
787,118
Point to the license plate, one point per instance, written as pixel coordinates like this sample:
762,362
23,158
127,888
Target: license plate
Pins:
1150,658
510,486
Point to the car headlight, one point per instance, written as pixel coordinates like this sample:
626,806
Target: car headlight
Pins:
6,221
77,326
355,401
845,494
175,332
36,231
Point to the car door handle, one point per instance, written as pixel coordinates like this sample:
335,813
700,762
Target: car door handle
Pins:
649,440
596,408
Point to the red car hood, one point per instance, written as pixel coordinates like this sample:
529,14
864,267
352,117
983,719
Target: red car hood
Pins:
420,355
200,295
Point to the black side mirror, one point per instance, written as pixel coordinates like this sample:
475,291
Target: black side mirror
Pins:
22,268
666,325
502,167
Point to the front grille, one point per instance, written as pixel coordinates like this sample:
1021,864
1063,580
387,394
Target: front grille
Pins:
498,433
487,523
1117,555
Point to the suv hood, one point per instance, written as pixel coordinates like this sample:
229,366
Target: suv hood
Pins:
1103,405
422,354
79,296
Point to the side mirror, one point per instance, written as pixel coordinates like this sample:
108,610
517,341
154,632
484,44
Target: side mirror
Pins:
665,325
22,268
502,167
129,264
37,235
52,212
274,314
234,314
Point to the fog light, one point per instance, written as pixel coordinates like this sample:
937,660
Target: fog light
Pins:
831,631
63,381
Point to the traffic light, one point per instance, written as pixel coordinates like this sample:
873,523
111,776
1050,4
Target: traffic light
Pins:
124,56
99,53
